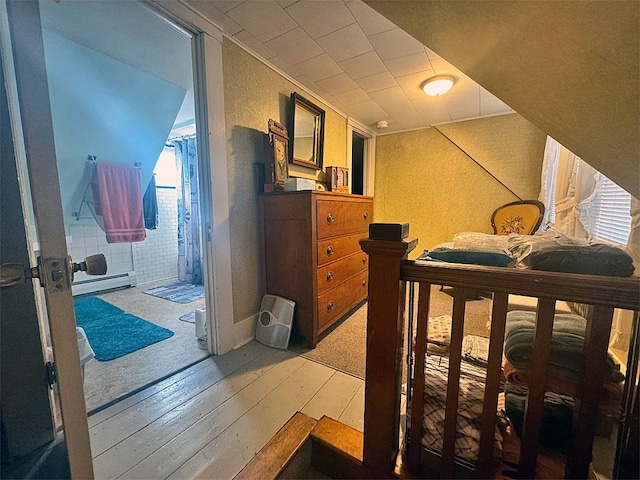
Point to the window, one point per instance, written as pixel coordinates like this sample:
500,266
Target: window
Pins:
613,221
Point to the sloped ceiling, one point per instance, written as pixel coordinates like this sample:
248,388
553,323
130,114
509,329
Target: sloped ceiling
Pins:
569,67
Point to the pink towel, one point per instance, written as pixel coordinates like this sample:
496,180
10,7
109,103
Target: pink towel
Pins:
117,203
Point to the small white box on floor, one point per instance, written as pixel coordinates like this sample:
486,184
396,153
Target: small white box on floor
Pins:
201,323
299,184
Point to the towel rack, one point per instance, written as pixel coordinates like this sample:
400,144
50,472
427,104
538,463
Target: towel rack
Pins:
92,160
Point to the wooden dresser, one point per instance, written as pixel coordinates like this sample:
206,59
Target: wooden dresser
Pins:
311,254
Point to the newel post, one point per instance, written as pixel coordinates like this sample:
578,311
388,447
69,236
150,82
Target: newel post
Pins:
385,330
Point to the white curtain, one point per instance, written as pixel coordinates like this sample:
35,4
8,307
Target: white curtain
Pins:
569,188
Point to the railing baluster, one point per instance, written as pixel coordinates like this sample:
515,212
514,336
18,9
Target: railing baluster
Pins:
417,399
535,397
453,383
492,387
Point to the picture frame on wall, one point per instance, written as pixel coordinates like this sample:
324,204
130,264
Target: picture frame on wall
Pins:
277,156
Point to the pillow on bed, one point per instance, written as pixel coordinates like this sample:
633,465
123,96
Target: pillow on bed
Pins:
553,251
473,248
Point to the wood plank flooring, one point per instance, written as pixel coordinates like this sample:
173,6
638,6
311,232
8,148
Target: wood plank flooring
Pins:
210,420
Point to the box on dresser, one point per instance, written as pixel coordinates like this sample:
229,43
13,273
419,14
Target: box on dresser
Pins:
311,254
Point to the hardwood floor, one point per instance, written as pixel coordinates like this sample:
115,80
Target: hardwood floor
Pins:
211,419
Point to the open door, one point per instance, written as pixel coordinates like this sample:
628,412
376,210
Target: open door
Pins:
27,88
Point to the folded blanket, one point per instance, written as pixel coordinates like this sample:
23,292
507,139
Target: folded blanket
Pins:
567,342
557,416
610,395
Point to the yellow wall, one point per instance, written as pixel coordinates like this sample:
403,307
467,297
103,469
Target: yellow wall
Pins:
422,178
253,93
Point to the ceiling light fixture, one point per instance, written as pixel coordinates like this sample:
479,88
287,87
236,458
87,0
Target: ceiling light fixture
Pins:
382,124
438,85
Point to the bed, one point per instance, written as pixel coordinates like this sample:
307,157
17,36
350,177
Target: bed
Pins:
389,275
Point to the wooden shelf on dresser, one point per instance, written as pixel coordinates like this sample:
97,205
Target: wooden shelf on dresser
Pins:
311,254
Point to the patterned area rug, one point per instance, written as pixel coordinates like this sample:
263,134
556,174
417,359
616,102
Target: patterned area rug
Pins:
113,333
178,292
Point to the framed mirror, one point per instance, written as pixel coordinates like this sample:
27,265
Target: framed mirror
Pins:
307,133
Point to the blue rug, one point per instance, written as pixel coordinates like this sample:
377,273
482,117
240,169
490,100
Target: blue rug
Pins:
178,292
113,333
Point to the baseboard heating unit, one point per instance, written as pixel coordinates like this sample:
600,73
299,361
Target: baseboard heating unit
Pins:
99,284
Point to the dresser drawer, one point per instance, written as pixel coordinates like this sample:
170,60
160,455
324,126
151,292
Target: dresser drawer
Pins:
341,218
335,273
337,301
334,249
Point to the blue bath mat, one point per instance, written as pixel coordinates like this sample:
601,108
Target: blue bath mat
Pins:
178,292
113,333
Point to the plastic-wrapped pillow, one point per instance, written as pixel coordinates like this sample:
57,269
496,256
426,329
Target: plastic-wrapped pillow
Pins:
474,248
556,252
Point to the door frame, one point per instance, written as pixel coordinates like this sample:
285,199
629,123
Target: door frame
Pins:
369,160
212,157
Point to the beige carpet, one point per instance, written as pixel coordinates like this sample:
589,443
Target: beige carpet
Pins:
343,347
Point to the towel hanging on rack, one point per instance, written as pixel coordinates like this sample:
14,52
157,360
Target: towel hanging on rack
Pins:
117,203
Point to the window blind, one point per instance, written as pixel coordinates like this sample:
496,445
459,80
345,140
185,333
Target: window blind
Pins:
613,220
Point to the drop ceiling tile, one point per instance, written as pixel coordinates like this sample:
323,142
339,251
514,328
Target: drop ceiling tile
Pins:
352,96
253,44
414,63
337,84
431,54
363,65
294,46
210,11
318,68
368,112
433,110
379,81
491,105
408,120
410,84
442,67
395,43
463,107
285,66
263,20
390,98
345,43
225,5
370,20
286,3
320,18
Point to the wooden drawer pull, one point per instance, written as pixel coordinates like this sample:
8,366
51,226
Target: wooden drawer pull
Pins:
330,218
330,306
329,250
364,259
366,215
329,276
364,283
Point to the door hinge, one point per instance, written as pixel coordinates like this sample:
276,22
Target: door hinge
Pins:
51,373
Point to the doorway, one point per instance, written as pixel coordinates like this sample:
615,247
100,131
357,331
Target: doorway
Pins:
361,157
122,94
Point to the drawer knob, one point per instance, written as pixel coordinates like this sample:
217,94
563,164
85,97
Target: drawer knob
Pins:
366,215
330,218
364,283
329,250
329,276
364,259
330,306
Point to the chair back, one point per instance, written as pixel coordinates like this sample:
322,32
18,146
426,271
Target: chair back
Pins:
522,217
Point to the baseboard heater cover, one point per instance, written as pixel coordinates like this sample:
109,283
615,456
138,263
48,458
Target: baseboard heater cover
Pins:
98,284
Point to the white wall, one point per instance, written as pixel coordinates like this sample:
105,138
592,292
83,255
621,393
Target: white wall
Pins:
157,257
